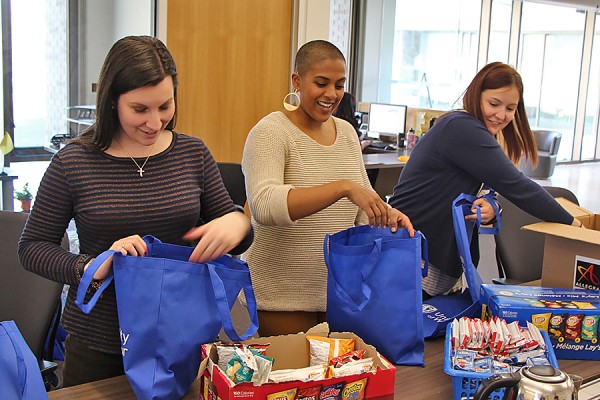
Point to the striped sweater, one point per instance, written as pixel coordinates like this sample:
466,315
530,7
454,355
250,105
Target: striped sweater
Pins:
181,187
286,258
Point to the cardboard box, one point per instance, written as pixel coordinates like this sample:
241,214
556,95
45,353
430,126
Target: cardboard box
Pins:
292,351
571,254
551,309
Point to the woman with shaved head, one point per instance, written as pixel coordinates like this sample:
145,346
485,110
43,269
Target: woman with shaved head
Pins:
305,177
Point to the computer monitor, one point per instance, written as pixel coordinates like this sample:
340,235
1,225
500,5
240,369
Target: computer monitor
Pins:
386,119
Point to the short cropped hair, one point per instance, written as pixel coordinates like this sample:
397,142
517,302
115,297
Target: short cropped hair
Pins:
314,52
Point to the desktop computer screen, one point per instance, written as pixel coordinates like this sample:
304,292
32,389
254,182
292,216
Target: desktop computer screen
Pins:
386,119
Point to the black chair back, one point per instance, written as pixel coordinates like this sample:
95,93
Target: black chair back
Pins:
29,299
519,253
233,179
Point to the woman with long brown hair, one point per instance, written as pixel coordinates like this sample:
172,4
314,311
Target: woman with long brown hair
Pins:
462,152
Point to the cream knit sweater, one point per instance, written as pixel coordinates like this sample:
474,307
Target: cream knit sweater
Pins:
286,258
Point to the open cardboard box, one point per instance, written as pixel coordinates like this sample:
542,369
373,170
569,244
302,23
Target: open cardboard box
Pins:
565,246
292,351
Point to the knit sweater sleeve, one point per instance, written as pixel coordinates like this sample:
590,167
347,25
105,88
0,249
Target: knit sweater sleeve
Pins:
263,164
39,248
487,163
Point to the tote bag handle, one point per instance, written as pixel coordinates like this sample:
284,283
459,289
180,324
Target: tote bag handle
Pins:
86,280
21,366
366,270
223,305
461,206
217,284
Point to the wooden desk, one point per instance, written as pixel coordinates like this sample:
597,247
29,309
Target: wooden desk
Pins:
412,383
8,191
384,170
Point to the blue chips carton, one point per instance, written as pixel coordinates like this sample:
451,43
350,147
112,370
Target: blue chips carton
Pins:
570,316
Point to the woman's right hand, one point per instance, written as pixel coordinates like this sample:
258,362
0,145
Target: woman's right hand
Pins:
369,201
132,245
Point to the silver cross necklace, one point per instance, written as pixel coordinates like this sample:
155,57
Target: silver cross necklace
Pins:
140,167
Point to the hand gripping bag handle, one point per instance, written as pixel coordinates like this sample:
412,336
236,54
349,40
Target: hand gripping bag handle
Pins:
473,278
86,280
366,270
223,306
21,366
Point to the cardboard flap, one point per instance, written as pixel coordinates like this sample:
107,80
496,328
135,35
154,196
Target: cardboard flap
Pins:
572,208
565,231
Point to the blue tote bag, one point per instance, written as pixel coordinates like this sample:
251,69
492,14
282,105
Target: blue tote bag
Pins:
440,310
20,376
374,289
168,307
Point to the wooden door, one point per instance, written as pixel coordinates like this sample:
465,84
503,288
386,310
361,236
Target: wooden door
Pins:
233,62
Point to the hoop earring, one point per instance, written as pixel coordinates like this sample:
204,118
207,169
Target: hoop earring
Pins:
290,106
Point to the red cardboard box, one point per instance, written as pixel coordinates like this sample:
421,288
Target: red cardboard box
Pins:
292,351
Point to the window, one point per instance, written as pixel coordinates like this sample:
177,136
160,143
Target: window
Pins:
422,54
589,144
54,50
550,63
500,31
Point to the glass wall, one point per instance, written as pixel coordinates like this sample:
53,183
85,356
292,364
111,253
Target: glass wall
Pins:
53,52
589,147
500,21
57,48
550,59
425,54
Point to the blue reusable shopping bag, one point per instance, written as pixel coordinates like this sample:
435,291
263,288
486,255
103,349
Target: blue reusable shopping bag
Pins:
168,307
20,376
374,289
438,311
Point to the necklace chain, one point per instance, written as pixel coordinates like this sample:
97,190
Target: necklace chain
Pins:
140,168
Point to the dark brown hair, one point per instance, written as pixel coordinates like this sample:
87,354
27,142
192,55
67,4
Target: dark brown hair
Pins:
517,135
132,62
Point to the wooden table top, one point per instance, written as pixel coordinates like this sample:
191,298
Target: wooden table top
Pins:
429,382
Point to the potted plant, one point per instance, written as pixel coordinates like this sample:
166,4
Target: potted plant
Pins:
24,196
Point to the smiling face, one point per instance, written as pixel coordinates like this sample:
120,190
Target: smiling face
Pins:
498,107
145,112
321,88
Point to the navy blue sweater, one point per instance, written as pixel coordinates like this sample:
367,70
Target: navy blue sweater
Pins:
456,156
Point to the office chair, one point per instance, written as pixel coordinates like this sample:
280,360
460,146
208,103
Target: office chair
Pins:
29,299
233,179
548,143
519,253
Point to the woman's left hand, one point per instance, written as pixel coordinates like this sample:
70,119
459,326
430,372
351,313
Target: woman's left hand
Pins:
487,211
218,236
398,219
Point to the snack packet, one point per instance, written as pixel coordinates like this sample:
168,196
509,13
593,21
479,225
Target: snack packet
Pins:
288,394
589,328
311,393
312,373
352,368
332,392
573,326
323,349
354,390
